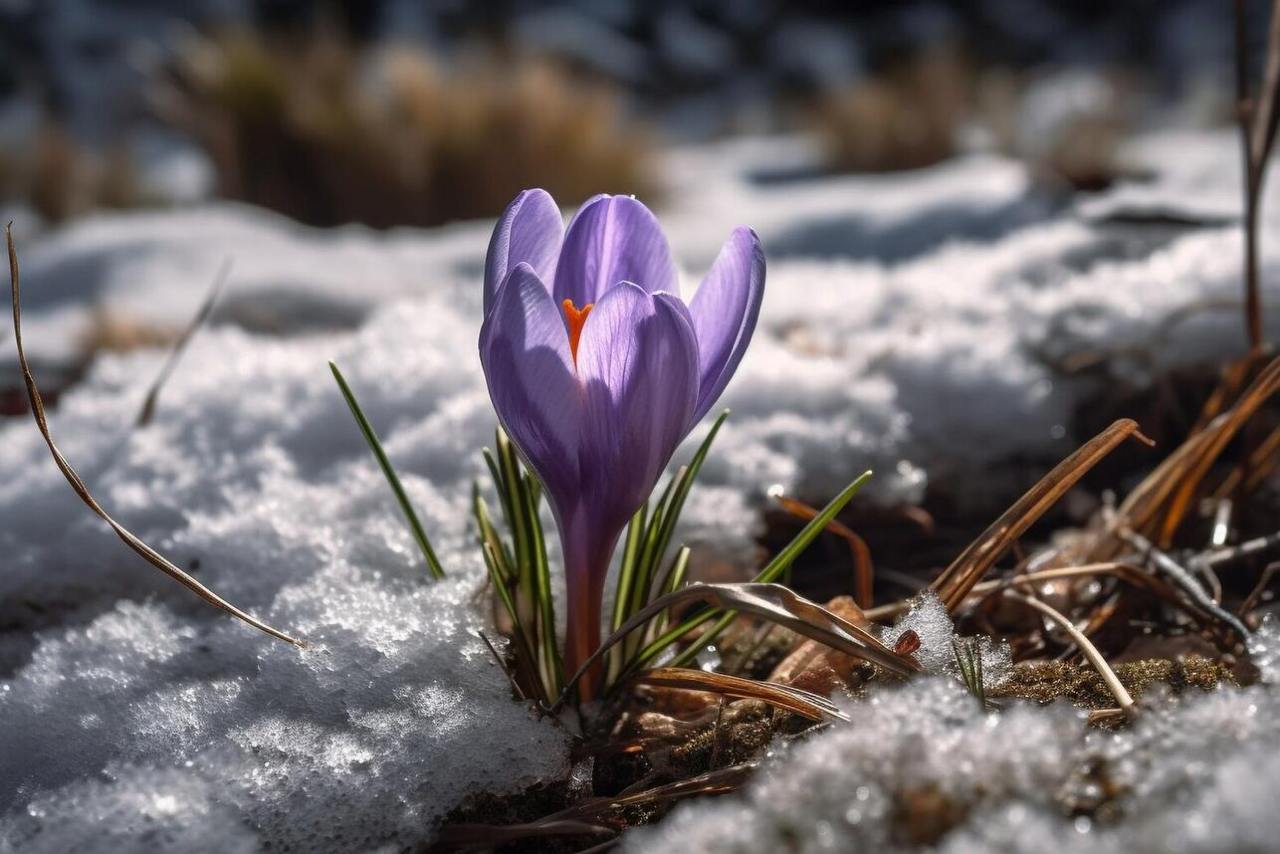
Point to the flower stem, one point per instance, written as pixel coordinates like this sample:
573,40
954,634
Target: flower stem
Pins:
586,563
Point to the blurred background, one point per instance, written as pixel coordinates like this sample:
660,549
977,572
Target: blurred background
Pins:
394,112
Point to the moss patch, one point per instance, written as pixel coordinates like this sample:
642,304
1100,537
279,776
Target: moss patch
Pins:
1046,681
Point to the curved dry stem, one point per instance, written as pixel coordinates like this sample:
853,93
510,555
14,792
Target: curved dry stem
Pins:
863,569
153,557
1086,646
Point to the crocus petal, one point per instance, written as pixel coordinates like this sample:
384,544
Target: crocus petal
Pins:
638,365
529,230
613,239
525,354
725,309
586,206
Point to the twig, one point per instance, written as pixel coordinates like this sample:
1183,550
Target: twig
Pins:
1244,117
1258,120
1255,595
1237,552
1182,579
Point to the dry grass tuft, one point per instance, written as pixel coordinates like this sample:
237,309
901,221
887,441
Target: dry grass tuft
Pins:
907,118
936,104
60,179
112,331
329,134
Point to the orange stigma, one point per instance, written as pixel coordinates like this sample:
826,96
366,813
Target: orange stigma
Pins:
576,317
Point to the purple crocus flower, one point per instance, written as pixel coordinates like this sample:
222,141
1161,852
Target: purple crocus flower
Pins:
598,369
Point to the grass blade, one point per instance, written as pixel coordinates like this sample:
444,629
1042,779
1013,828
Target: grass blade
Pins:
548,646
488,534
393,480
969,662
863,569
671,582
810,532
523,566
771,602
775,568
670,510
627,568
676,572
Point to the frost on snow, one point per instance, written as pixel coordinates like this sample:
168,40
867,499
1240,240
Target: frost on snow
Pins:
909,326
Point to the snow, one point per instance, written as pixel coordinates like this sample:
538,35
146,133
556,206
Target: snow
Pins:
389,721
1194,774
1199,178
908,326
928,618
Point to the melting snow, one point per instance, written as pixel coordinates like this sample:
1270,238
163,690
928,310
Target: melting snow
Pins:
1193,774
137,718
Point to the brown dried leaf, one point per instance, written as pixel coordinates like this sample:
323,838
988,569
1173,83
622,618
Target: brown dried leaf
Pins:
817,668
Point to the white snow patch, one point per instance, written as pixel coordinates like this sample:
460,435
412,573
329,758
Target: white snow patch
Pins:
1197,774
117,689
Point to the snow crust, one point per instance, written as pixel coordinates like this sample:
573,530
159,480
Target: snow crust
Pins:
910,325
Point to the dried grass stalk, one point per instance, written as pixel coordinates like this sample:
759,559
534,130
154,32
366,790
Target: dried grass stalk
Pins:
145,551
1090,651
792,699
148,410
771,602
955,583
1156,507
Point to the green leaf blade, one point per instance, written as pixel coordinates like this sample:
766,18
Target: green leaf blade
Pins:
393,480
